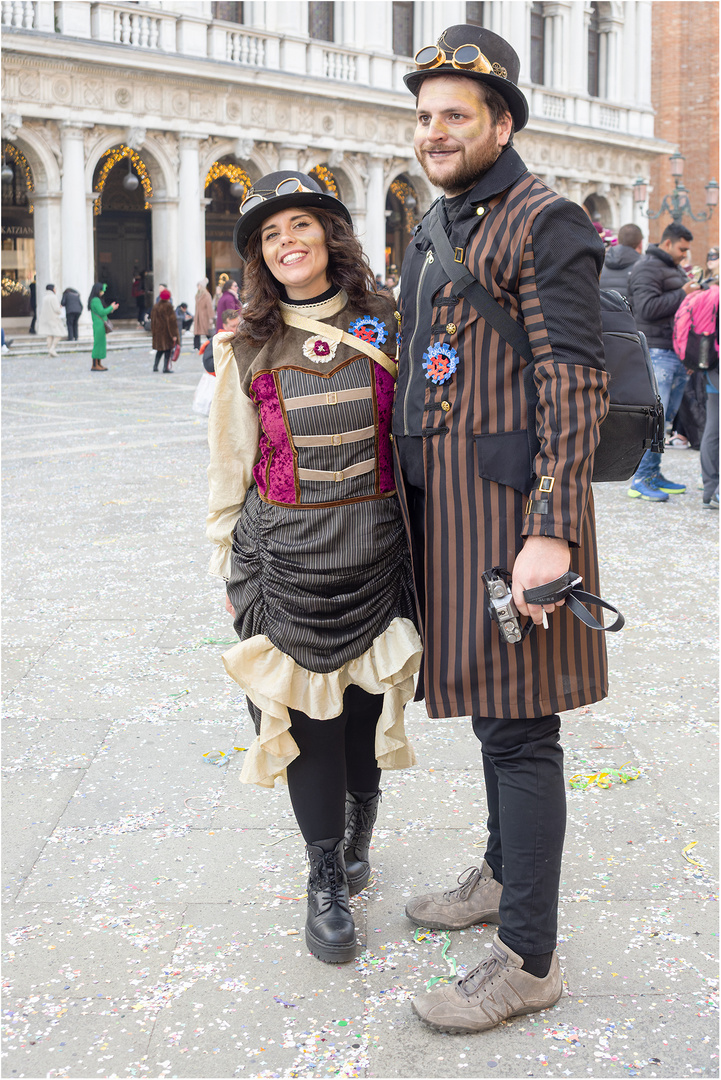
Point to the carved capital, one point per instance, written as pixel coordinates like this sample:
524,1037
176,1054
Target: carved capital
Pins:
335,159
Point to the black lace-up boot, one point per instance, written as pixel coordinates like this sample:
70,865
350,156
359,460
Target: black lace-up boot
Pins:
329,928
360,817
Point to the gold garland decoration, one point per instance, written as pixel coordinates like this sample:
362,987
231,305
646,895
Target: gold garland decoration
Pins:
21,161
235,174
112,157
323,173
401,190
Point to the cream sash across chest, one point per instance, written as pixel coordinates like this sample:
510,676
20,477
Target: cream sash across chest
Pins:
334,333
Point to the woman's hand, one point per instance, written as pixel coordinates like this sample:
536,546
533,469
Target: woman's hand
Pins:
229,607
116,305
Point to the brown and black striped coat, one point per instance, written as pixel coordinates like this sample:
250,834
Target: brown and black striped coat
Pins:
540,258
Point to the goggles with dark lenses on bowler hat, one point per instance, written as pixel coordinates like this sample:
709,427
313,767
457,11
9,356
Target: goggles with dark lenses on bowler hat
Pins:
464,58
288,186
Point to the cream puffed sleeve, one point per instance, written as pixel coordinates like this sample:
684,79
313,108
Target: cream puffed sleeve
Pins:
233,434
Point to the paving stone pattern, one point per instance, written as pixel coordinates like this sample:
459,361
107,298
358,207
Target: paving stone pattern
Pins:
154,906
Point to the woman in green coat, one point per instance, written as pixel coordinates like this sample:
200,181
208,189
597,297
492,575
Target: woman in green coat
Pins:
99,314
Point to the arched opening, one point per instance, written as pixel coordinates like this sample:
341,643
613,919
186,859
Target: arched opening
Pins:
599,209
18,233
402,215
323,176
225,188
123,227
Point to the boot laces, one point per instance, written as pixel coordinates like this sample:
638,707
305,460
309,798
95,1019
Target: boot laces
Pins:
330,879
474,979
466,884
362,822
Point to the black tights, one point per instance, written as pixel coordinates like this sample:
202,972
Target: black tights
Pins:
335,756
165,355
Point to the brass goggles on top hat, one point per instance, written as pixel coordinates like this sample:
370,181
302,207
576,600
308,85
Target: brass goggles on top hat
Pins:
289,186
464,58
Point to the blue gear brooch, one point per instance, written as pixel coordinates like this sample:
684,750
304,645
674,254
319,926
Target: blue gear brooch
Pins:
440,361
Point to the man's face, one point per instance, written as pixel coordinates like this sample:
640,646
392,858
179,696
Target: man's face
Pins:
455,140
677,250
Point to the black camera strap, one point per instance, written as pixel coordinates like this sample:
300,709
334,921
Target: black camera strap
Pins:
566,588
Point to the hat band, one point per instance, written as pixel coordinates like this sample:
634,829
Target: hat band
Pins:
465,58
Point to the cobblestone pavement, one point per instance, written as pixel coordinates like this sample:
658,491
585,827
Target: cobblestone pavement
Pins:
154,906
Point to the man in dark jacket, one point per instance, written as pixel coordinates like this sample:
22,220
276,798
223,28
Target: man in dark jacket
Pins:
474,496
73,307
620,259
657,285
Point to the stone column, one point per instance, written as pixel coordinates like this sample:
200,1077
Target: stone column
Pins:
288,156
375,241
76,246
165,247
191,265
48,262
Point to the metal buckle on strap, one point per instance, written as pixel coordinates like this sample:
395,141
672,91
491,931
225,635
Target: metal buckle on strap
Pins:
546,483
338,477
336,440
331,397
458,257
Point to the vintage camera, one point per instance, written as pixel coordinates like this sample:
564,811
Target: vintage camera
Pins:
501,608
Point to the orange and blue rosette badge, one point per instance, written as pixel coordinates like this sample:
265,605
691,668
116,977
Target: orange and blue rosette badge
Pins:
369,329
440,361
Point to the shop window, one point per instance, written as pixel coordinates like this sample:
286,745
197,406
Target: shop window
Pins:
538,53
321,20
403,29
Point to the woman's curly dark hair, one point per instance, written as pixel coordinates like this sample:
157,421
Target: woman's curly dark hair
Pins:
348,268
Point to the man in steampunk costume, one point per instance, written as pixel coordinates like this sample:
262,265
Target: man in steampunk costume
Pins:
496,453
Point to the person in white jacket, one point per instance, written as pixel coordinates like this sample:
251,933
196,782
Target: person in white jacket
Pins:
51,322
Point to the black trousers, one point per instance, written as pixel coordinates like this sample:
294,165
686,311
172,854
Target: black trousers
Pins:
335,756
523,773
526,796
196,340
72,320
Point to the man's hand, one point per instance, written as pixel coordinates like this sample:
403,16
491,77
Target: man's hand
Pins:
691,286
229,607
542,559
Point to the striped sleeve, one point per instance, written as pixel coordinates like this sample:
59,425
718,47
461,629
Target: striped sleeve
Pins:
233,434
562,315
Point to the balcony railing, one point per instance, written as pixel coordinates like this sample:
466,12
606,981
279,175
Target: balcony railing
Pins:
185,33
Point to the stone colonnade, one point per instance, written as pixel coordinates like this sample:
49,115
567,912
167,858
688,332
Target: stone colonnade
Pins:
64,159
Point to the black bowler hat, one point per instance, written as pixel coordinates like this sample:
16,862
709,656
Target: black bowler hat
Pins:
307,192
497,66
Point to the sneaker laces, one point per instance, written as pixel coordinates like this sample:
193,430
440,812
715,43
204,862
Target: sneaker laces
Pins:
474,979
466,884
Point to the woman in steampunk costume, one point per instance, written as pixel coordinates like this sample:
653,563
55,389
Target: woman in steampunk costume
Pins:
308,533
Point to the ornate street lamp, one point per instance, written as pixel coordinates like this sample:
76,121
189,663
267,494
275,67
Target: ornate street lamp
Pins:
677,204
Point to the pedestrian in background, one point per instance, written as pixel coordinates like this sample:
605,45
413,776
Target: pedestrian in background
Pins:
219,290
204,314
33,289
51,323
99,313
138,293
657,286
73,306
229,299
164,324
620,258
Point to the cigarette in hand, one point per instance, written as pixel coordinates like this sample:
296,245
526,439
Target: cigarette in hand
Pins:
545,621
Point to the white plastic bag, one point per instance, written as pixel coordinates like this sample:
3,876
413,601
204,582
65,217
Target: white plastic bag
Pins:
204,394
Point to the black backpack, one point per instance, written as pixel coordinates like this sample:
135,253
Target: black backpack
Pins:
635,421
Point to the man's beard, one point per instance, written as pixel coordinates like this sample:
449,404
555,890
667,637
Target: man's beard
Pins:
468,170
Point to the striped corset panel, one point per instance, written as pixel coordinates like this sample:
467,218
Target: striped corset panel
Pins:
325,438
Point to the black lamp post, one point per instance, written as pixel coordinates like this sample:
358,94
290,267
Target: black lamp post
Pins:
677,204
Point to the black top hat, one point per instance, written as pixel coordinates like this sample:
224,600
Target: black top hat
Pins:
503,60
313,196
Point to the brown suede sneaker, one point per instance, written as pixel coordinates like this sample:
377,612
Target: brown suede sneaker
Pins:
494,991
475,901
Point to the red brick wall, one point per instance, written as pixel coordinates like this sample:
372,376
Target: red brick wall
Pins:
684,91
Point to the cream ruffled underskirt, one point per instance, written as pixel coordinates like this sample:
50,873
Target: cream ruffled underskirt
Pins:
275,683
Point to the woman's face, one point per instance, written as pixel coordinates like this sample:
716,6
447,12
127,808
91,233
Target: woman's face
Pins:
295,252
